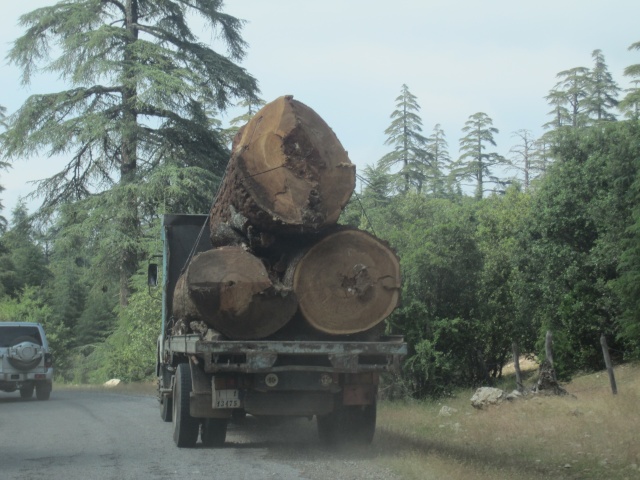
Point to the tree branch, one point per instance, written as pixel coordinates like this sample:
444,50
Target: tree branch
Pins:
117,4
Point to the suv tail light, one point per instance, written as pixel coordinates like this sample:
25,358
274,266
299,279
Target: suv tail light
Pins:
48,360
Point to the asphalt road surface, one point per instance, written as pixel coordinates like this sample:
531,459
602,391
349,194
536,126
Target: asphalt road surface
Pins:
88,435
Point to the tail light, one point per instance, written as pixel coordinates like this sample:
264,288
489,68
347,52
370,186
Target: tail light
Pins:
48,360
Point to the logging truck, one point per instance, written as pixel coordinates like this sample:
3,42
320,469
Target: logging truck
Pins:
206,378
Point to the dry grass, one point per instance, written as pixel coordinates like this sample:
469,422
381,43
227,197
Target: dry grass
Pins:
589,434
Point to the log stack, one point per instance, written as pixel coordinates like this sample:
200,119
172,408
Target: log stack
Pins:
277,248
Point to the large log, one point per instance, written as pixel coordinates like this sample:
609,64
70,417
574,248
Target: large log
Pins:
288,173
229,289
346,283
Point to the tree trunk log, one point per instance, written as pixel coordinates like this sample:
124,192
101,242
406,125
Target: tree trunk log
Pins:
288,173
346,283
229,289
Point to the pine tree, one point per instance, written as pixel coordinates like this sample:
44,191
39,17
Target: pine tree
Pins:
572,89
404,134
140,86
602,91
560,116
23,262
474,163
440,161
630,104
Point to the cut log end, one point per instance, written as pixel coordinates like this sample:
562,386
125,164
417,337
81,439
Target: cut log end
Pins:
229,290
292,169
347,283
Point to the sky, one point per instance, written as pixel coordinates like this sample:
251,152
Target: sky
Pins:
348,59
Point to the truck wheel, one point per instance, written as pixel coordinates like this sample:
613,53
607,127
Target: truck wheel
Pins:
359,424
26,392
185,427
348,424
165,401
166,408
327,428
213,432
43,390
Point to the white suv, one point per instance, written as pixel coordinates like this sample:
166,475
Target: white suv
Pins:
26,363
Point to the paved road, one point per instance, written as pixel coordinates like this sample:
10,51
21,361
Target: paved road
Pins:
88,435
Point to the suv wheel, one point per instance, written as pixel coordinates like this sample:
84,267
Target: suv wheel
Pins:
43,390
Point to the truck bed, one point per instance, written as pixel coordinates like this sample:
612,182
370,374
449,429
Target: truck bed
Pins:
274,356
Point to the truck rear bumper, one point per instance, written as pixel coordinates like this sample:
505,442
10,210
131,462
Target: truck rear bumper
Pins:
266,356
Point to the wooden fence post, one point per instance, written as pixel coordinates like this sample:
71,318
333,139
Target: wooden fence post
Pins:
607,361
516,366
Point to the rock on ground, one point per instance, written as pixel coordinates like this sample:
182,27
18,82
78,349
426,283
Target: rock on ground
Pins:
487,396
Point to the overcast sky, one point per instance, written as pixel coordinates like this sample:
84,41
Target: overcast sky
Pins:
347,59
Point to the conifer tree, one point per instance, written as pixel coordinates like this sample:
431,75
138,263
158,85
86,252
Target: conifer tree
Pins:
140,84
571,91
602,90
474,162
409,145
630,104
23,262
440,161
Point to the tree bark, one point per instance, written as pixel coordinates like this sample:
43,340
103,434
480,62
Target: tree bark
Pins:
347,282
516,366
229,289
288,174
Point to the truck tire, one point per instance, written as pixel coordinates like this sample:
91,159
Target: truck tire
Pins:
348,424
26,392
165,400
360,422
213,432
166,408
185,427
43,390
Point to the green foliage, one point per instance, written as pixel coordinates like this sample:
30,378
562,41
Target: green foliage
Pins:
129,352
134,121
439,261
31,306
581,220
22,260
409,145
440,163
474,162
602,90
630,104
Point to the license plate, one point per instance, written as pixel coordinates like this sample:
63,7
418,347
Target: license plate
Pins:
227,399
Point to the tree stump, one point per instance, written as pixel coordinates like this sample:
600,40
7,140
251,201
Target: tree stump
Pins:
547,382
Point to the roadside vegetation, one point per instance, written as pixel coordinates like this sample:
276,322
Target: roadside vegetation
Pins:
588,434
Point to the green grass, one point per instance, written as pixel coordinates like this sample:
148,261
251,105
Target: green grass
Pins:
589,434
